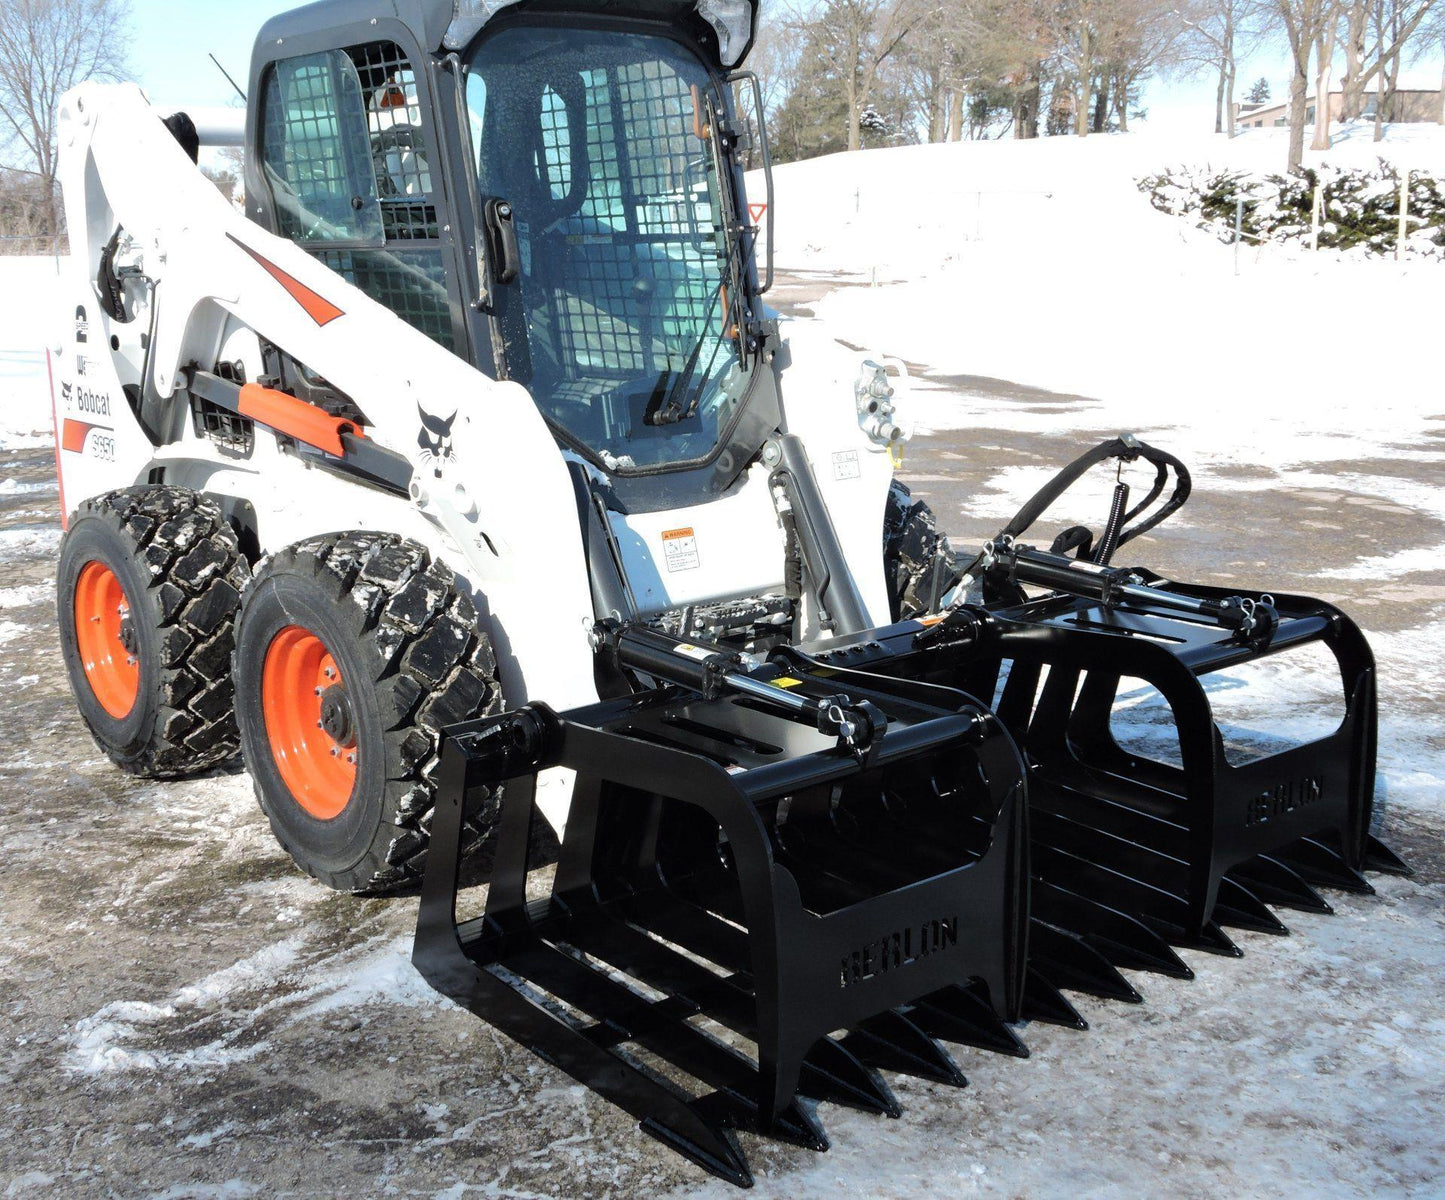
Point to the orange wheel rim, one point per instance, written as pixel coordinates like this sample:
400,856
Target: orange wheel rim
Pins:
106,639
308,722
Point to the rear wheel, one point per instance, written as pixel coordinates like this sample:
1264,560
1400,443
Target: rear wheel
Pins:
148,586
917,559
352,653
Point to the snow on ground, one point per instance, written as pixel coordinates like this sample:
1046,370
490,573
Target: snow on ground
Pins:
1041,263
30,312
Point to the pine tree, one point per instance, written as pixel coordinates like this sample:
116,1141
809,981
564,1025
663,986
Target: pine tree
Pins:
1259,91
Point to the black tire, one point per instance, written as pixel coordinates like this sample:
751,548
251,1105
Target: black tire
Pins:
182,571
413,659
917,559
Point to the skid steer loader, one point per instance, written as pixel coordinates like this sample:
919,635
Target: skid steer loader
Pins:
466,485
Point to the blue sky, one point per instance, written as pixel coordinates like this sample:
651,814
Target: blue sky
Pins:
172,41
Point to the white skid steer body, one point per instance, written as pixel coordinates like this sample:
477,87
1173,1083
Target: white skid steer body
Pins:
493,498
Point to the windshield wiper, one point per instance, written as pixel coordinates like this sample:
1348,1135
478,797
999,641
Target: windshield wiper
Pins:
672,404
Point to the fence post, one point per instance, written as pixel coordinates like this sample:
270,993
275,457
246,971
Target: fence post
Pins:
1315,215
1404,212
1238,229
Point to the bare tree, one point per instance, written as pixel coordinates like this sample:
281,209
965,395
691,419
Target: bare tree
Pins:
1134,39
1218,33
1324,69
46,48
860,36
1373,40
1304,23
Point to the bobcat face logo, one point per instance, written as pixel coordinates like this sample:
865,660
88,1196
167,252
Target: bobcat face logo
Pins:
435,440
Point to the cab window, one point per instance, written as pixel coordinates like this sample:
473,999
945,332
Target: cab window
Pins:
347,156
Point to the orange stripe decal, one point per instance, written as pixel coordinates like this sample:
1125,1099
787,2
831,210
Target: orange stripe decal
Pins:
55,429
317,307
73,435
295,418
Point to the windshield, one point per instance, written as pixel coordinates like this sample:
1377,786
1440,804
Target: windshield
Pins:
599,143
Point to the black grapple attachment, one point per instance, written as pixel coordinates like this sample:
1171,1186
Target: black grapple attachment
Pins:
1182,847
772,884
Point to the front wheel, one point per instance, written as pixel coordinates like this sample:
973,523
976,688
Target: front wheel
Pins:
917,559
353,651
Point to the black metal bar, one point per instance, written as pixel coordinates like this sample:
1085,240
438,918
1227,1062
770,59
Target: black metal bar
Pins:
363,456
826,564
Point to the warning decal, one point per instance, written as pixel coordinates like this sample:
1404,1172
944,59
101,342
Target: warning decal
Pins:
756,211
845,465
679,549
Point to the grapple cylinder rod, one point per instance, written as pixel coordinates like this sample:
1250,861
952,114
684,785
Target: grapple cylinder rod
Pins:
712,671
1112,585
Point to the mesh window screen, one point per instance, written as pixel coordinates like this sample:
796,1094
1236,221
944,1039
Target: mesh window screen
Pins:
595,140
349,124
410,282
640,276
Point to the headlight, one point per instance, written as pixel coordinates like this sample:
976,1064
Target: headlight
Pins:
732,20
468,16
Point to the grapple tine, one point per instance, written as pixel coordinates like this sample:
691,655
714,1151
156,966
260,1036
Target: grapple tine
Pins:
1120,938
1166,914
794,1125
1239,908
960,1014
1323,866
892,1042
1044,1002
1067,961
721,1157
833,1072
1276,884
1210,938
1379,857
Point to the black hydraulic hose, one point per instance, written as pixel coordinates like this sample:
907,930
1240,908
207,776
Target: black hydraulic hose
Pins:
1127,450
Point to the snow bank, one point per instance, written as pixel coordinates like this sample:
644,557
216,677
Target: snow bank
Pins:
30,317
1040,262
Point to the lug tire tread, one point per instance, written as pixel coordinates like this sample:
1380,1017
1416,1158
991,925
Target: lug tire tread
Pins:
197,574
434,666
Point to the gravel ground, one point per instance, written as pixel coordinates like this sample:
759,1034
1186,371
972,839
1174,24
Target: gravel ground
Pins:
187,1016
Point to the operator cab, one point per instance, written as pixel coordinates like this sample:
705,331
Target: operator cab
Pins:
550,190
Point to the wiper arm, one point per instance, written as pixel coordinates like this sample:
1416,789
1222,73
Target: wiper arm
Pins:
667,405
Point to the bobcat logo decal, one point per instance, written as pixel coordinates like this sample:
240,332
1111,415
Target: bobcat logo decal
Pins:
435,440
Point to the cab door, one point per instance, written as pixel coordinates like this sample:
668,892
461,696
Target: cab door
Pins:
345,164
